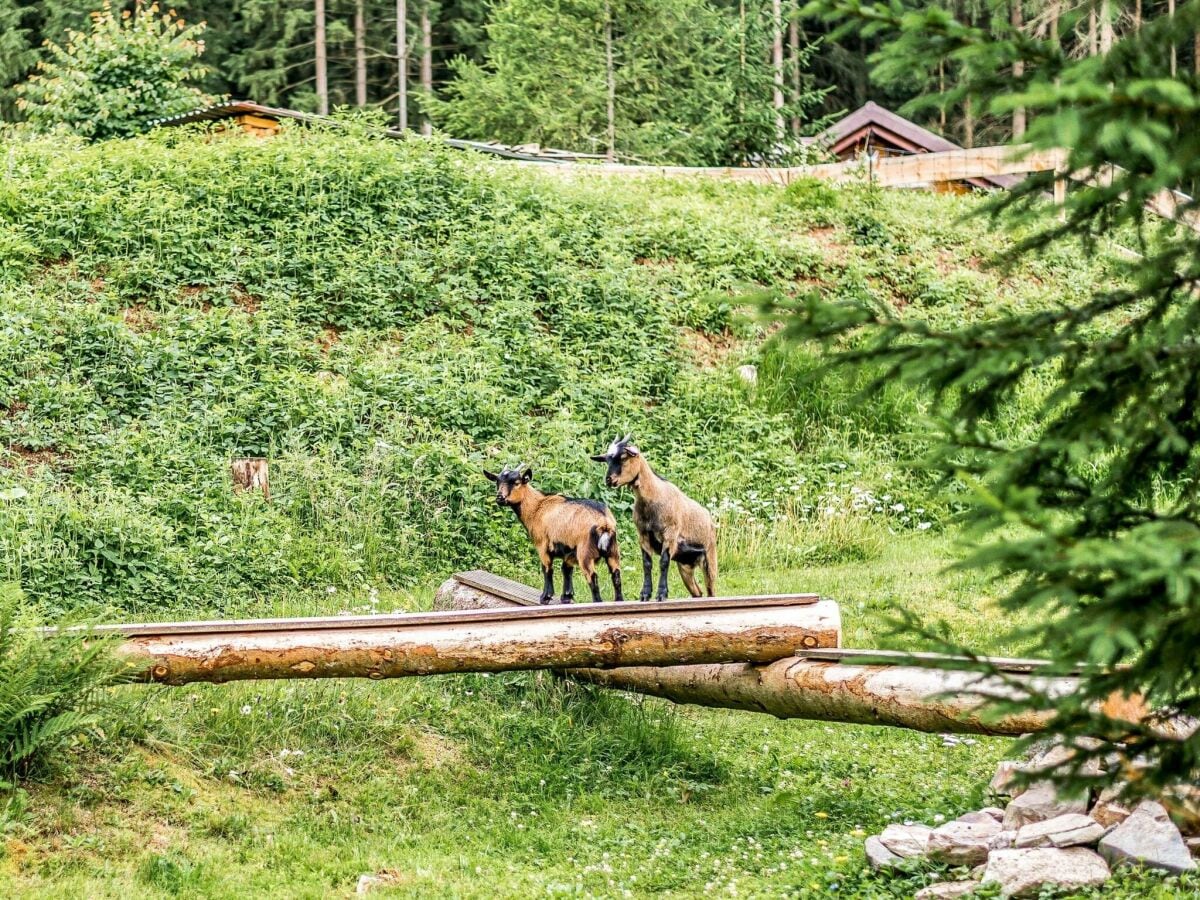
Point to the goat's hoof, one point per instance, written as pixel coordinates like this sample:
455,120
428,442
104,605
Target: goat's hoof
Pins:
545,599
567,600
645,598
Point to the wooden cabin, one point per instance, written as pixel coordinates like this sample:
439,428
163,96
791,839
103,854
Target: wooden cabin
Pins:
872,129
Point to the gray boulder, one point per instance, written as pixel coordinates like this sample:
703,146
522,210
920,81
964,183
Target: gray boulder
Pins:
946,890
990,813
1149,838
1109,809
1071,830
1041,802
906,841
1023,873
962,843
1003,840
879,856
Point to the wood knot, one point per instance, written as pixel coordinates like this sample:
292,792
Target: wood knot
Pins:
809,642
159,671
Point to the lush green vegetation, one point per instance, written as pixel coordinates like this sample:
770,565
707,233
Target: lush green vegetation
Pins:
382,320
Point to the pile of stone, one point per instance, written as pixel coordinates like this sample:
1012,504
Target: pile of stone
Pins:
1041,838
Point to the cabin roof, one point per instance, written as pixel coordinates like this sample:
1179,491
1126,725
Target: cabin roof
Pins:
872,122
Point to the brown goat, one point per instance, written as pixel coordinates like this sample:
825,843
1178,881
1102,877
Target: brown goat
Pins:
579,532
670,524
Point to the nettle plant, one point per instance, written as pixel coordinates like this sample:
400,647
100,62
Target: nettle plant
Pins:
132,67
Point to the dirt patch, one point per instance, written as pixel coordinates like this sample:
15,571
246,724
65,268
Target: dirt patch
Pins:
139,319
328,336
436,751
827,238
15,408
665,262
244,299
29,461
707,350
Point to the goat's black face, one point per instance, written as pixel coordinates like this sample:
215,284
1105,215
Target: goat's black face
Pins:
510,484
624,462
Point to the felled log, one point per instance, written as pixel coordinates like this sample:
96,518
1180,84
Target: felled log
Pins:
924,699
480,640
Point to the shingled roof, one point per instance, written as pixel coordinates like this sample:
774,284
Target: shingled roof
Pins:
872,122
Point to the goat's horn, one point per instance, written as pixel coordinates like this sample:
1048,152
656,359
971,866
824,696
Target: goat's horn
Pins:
627,437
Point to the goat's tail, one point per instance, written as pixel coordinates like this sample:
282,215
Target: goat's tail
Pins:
605,538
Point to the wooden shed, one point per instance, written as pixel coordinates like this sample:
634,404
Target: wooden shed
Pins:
873,130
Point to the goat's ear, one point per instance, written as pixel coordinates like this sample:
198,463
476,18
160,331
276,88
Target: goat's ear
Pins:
632,450
599,457
490,476
526,475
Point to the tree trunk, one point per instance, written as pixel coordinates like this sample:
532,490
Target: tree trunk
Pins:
426,65
479,640
1093,37
1106,26
777,63
402,64
1137,15
610,82
1174,59
1018,70
250,473
794,46
322,65
968,124
360,54
832,690
942,93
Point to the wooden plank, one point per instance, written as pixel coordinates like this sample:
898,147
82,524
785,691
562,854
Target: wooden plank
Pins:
528,596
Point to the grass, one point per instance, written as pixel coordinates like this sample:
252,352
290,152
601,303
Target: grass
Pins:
382,322
512,785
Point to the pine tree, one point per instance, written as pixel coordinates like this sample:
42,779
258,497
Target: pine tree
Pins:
1094,513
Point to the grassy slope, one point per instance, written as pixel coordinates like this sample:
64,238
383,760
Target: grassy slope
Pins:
404,317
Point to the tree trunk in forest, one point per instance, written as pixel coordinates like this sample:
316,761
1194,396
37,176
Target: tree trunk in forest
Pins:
1093,36
610,84
1106,26
250,473
402,64
968,124
479,640
1174,60
777,64
322,64
426,65
1018,70
1137,15
942,93
794,46
360,54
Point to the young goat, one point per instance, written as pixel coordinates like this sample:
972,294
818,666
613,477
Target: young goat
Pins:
579,532
670,524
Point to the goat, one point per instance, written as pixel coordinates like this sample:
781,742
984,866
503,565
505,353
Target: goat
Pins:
579,532
670,524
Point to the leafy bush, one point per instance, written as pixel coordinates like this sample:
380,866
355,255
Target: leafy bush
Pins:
49,685
131,68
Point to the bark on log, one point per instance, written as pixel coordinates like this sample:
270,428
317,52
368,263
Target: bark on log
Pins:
923,699
486,640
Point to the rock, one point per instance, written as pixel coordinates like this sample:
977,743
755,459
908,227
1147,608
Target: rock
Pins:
1071,830
995,812
1110,809
1193,844
1150,840
983,815
906,841
962,843
946,890
1002,841
1002,781
368,882
748,374
1022,873
879,856
1060,755
1184,803
1042,801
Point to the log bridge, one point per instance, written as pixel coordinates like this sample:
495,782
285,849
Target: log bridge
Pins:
778,654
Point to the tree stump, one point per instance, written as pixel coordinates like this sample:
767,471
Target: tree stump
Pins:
250,474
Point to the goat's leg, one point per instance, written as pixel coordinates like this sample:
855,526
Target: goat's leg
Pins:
547,578
688,574
588,567
568,573
614,569
664,567
647,576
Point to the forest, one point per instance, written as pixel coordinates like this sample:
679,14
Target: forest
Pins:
679,81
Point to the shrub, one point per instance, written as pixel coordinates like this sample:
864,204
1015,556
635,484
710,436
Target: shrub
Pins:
50,685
